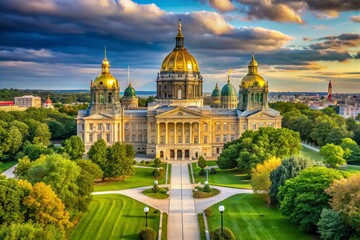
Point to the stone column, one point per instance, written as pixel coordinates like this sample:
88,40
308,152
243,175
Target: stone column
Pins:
86,132
175,141
190,129
183,132
158,133
166,132
199,133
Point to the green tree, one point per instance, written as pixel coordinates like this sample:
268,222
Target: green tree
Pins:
30,231
56,128
23,167
33,151
98,155
74,147
289,168
10,201
157,162
42,134
332,226
23,128
227,159
59,173
302,198
89,172
15,139
202,162
118,164
351,150
130,152
333,155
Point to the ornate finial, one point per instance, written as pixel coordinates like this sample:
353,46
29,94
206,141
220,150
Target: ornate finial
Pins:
179,26
229,73
216,86
252,55
129,82
105,52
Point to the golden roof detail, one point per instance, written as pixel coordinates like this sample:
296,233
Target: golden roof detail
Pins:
253,79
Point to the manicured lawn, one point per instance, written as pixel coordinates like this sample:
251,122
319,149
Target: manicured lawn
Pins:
201,226
164,226
202,194
158,195
224,178
243,216
114,217
352,168
163,165
307,152
143,177
6,165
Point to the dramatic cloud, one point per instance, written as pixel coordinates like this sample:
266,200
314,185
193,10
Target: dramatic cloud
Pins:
340,43
355,19
222,5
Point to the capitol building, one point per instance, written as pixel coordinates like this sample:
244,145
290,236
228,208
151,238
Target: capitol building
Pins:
177,125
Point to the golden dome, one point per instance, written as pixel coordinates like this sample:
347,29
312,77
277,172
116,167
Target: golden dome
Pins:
253,79
105,79
179,60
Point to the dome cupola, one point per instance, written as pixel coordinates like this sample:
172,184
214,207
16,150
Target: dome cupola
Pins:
252,79
216,91
129,92
105,79
229,89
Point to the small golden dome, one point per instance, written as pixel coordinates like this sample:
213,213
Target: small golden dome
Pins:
253,79
105,79
179,60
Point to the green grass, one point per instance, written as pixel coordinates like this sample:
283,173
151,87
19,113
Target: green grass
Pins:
143,177
164,226
350,168
201,226
114,217
152,164
202,194
242,215
6,165
307,152
158,195
169,173
224,178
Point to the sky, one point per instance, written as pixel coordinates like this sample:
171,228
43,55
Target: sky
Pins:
299,44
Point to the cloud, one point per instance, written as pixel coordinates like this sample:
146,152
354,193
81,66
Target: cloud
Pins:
222,5
355,19
342,42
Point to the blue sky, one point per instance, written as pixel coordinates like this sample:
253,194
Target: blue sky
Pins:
299,44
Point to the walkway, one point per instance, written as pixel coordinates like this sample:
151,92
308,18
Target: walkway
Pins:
182,221
10,172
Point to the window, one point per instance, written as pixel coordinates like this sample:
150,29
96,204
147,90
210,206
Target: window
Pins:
254,126
233,126
195,140
152,140
99,127
187,140
217,126
205,126
152,127
261,124
232,138
126,126
127,138
217,138
91,137
82,127
91,126
205,139
225,128
244,126
140,138
108,126
133,126
145,138
99,136
133,138
225,138
145,126
140,126
271,124
179,139
108,139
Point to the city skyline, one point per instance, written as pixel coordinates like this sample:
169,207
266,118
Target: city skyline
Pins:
299,45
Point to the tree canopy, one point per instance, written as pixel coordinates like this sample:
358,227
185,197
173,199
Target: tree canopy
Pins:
333,155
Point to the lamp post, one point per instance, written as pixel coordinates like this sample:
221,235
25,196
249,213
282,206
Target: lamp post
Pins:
156,182
146,210
206,182
222,209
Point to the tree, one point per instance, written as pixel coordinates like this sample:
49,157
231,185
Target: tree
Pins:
38,132
345,198
59,173
74,147
23,167
44,207
33,151
260,176
118,164
30,231
289,168
15,139
89,172
227,159
202,162
56,128
302,198
333,155
98,155
331,226
351,150
157,162
10,201
130,152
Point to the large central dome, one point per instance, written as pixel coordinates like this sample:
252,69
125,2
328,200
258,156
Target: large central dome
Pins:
179,60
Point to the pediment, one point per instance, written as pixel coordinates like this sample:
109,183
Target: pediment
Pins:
98,116
180,112
263,114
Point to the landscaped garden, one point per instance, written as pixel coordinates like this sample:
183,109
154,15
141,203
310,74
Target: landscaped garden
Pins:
6,165
248,217
142,177
307,152
224,178
114,217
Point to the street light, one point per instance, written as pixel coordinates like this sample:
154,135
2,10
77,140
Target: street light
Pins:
222,209
206,182
146,210
156,182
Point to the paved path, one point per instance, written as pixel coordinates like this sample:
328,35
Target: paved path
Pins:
10,172
316,149
182,221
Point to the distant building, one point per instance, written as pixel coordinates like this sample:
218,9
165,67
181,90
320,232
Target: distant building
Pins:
349,111
28,101
9,106
329,97
48,103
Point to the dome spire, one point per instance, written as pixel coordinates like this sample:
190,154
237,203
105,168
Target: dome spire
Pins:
229,73
179,37
253,66
105,66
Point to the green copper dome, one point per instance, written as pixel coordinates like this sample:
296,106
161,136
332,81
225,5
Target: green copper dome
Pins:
129,92
228,90
216,91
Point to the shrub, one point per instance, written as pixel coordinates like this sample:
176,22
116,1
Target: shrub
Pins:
134,162
331,225
147,234
206,188
157,162
155,188
148,162
212,170
142,162
202,172
226,235
208,212
156,211
162,190
157,173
